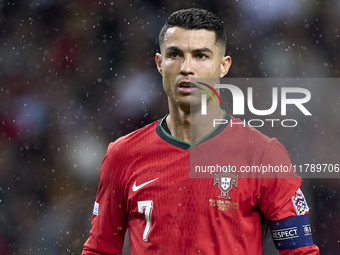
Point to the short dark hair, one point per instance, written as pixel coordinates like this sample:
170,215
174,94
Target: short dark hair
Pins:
194,19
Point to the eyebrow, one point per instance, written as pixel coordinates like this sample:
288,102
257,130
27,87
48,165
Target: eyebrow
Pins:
200,50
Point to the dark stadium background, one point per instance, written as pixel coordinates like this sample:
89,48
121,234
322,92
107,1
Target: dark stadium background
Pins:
75,75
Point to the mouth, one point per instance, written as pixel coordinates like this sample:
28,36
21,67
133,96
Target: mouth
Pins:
186,86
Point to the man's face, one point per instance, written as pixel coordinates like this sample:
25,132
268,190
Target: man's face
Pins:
187,54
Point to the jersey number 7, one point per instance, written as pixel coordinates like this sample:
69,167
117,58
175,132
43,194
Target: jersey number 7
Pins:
146,208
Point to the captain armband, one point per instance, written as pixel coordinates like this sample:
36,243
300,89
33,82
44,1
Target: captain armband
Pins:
292,232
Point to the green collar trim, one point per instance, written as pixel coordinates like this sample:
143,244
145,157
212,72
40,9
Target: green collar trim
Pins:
185,145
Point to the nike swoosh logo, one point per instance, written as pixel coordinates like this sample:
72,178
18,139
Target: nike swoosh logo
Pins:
135,188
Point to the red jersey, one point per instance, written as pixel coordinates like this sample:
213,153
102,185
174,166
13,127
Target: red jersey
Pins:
145,185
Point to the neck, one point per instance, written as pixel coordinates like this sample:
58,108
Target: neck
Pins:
190,125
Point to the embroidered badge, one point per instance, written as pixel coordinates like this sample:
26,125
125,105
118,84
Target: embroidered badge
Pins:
225,183
300,203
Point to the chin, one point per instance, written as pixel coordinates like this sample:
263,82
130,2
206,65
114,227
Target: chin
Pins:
190,104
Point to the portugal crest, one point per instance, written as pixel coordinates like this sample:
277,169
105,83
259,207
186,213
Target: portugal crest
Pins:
225,183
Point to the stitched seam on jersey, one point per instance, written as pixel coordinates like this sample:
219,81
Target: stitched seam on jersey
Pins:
121,190
274,141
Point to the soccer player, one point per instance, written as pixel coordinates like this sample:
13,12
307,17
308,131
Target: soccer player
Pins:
145,183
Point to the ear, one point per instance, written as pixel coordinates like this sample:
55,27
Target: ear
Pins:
158,60
225,65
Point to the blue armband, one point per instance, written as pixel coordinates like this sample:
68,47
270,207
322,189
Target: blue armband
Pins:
292,232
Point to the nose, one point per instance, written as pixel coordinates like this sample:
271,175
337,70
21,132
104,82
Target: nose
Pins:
187,67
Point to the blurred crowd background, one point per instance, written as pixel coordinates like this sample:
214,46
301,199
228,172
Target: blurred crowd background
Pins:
76,75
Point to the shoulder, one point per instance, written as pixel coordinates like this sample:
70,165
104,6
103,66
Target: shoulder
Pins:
133,140
122,152
242,129
241,135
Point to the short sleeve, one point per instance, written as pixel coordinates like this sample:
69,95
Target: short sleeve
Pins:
109,214
276,192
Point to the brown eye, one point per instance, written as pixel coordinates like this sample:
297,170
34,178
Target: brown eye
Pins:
173,55
201,56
